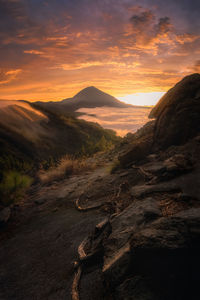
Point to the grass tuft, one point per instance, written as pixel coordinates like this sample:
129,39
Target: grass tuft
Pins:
65,168
13,187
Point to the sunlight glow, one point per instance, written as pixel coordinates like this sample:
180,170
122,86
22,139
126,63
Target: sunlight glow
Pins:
146,99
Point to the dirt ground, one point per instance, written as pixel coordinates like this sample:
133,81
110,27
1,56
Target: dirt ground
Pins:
36,260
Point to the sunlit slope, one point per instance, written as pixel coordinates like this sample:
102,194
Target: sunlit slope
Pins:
30,133
21,118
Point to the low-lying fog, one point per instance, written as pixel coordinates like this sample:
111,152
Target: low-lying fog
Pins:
122,120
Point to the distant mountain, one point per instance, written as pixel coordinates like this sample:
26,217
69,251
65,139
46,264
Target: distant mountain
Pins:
87,98
92,97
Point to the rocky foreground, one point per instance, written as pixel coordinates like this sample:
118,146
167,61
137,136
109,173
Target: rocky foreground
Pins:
129,234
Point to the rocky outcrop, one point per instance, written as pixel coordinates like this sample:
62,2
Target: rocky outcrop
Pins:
182,230
138,146
177,113
153,257
117,248
165,254
164,260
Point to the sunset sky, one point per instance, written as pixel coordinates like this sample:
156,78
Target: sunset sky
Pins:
51,49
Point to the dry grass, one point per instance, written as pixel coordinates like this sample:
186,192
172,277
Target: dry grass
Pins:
172,203
66,167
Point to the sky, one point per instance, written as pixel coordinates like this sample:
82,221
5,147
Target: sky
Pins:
51,49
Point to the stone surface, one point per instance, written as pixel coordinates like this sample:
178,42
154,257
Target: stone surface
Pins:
138,146
5,214
177,113
135,288
124,224
142,190
116,247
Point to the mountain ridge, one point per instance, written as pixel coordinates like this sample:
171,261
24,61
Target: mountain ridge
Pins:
89,97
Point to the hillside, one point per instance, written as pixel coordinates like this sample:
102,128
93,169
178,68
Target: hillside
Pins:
31,137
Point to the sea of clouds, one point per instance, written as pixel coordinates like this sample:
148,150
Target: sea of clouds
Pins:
122,120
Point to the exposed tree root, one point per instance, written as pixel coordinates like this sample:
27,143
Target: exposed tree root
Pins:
101,230
85,209
75,284
147,175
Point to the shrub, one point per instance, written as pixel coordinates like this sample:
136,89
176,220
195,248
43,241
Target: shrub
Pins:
13,187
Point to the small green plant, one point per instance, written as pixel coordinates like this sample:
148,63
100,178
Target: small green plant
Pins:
13,187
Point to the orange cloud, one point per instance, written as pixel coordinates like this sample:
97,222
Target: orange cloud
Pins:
8,76
36,52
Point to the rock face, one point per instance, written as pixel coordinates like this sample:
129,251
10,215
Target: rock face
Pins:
139,146
117,248
166,255
177,113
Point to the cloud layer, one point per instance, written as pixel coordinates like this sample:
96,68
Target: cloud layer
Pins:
51,49
122,120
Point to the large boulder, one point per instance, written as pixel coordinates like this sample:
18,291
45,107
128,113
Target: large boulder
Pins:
180,231
167,253
116,247
164,261
178,113
139,146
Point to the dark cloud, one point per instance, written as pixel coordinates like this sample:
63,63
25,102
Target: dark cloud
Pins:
142,20
13,16
164,25
148,30
17,26
146,22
